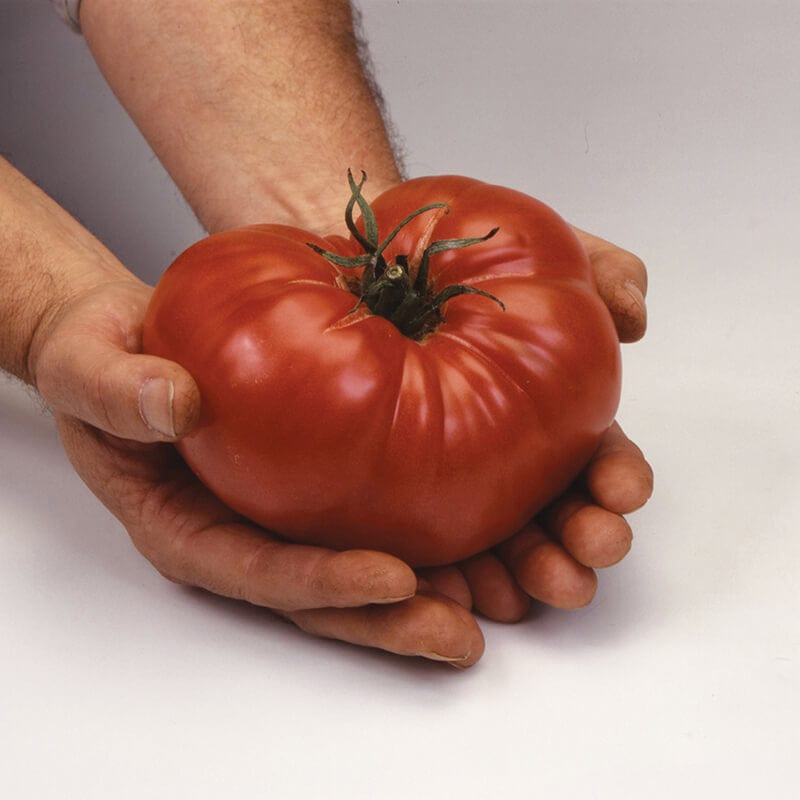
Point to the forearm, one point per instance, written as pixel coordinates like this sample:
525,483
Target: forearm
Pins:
255,109
46,257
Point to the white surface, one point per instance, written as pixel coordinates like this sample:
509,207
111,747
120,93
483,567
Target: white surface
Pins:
669,127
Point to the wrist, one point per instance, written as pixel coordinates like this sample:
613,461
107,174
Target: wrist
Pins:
307,201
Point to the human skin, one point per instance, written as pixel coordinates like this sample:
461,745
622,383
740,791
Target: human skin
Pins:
250,137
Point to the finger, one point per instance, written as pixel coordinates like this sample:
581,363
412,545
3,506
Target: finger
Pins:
137,397
621,279
593,536
546,571
193,538
619,478
239,561
495,593
448,581
436,628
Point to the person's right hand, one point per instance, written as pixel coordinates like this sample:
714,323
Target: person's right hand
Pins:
117,412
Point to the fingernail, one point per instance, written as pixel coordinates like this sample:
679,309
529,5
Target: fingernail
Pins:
452,660
397,599
155,405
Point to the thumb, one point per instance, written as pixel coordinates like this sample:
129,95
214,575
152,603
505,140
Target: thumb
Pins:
133,396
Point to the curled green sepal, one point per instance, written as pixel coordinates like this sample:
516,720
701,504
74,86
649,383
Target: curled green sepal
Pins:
341,261
370,241
442,246
460,288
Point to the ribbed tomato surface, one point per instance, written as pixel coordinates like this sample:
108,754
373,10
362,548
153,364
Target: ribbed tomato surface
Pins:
329,426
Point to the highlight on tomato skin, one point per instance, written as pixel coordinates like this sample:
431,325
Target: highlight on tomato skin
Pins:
423,387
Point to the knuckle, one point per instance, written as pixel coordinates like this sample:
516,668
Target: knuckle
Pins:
255,583
163,535
100,391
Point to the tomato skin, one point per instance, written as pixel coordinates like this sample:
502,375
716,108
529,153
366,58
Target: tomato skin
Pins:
330,427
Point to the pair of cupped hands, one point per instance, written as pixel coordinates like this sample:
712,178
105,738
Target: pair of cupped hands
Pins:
118,411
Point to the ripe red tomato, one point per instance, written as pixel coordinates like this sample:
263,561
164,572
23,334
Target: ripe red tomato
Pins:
330,426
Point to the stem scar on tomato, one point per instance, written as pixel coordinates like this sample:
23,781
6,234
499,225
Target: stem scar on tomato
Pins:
389,289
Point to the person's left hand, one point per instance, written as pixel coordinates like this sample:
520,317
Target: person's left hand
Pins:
554,558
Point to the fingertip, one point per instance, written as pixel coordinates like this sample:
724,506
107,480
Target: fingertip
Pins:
507,609
621,280
186,403
548,573
576,592
432,627
168,398
361,577
636,293
450,633
627,306
495,593
473,637
596,537
620,482
449,581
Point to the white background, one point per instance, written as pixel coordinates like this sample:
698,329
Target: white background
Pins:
671,128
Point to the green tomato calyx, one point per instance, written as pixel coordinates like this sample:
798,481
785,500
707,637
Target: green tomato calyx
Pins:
394,290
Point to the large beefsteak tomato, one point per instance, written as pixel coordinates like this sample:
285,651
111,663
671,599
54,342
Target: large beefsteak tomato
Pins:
433,436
